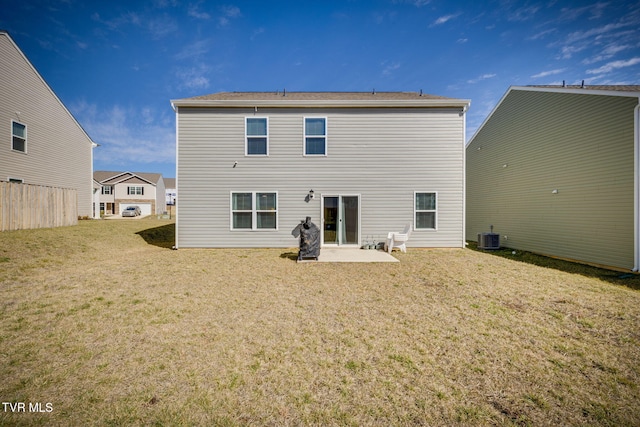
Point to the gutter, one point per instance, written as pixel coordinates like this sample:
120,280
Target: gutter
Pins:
636,187
288,103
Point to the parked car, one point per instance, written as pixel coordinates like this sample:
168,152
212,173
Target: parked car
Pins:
131,211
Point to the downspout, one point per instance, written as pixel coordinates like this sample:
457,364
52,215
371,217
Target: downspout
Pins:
636,187
464,175
175,203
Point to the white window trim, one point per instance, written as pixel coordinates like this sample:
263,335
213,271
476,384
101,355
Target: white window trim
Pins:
25,137
254,212
415,211
246,137
141,187
104,187
305,136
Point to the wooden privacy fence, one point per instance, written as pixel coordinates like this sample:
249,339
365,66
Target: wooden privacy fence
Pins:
24,206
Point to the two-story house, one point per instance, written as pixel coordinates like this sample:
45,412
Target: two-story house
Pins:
42,143
252,165
123,189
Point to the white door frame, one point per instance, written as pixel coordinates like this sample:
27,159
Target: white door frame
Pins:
340,196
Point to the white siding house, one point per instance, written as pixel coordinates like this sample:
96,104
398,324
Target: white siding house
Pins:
41,143
556,171
252,165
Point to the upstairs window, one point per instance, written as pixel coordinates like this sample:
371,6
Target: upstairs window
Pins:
315,136
135,191
425,211
254,211
257,136
107,189
19,137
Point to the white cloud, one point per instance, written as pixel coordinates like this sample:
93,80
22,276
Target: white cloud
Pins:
542,34
595,10
567,52
389,68
614,66
523,13
194,11
127,135
231,11
257,32
608,52
548,73
158,26
416,3
193,50
228,12
445,19
194,77
581,35
481,78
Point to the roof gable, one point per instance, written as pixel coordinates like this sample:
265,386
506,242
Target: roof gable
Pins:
112,178
602,90
46,85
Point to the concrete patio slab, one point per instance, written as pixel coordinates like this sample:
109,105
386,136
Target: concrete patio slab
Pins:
353,255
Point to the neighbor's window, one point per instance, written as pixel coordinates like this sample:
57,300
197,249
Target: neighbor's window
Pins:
107,189
425,210
315,136
19,137
257,134
135,190
254,211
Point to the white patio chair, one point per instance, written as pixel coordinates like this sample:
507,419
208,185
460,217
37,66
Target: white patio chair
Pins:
398,240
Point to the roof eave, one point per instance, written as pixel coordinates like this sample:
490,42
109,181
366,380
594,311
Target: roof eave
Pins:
582,91
287,103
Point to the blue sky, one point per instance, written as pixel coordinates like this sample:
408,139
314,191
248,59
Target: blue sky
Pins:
117,64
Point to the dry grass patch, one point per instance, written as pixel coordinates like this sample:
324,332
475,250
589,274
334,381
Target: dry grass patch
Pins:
112,328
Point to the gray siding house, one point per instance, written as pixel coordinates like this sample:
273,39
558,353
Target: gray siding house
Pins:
556,171
252,165
42,143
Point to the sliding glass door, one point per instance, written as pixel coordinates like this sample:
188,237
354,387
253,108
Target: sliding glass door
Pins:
341,220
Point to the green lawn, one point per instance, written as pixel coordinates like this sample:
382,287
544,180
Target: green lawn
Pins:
103,324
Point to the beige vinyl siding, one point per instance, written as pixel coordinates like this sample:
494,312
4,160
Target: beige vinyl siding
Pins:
383,155
580,144
58,150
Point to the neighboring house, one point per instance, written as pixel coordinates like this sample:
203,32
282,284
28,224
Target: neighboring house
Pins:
123,189
170,191
41,143
555,170
252,165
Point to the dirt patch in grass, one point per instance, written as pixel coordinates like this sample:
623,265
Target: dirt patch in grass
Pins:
112,328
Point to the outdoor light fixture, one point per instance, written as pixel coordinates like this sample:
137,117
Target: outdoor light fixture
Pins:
311,194
555,191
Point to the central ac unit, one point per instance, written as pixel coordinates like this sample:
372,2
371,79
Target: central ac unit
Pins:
489,241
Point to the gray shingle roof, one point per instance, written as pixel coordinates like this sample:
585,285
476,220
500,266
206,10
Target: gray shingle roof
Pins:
315,96
104,177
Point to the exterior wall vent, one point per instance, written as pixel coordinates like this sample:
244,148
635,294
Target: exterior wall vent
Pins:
489,240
